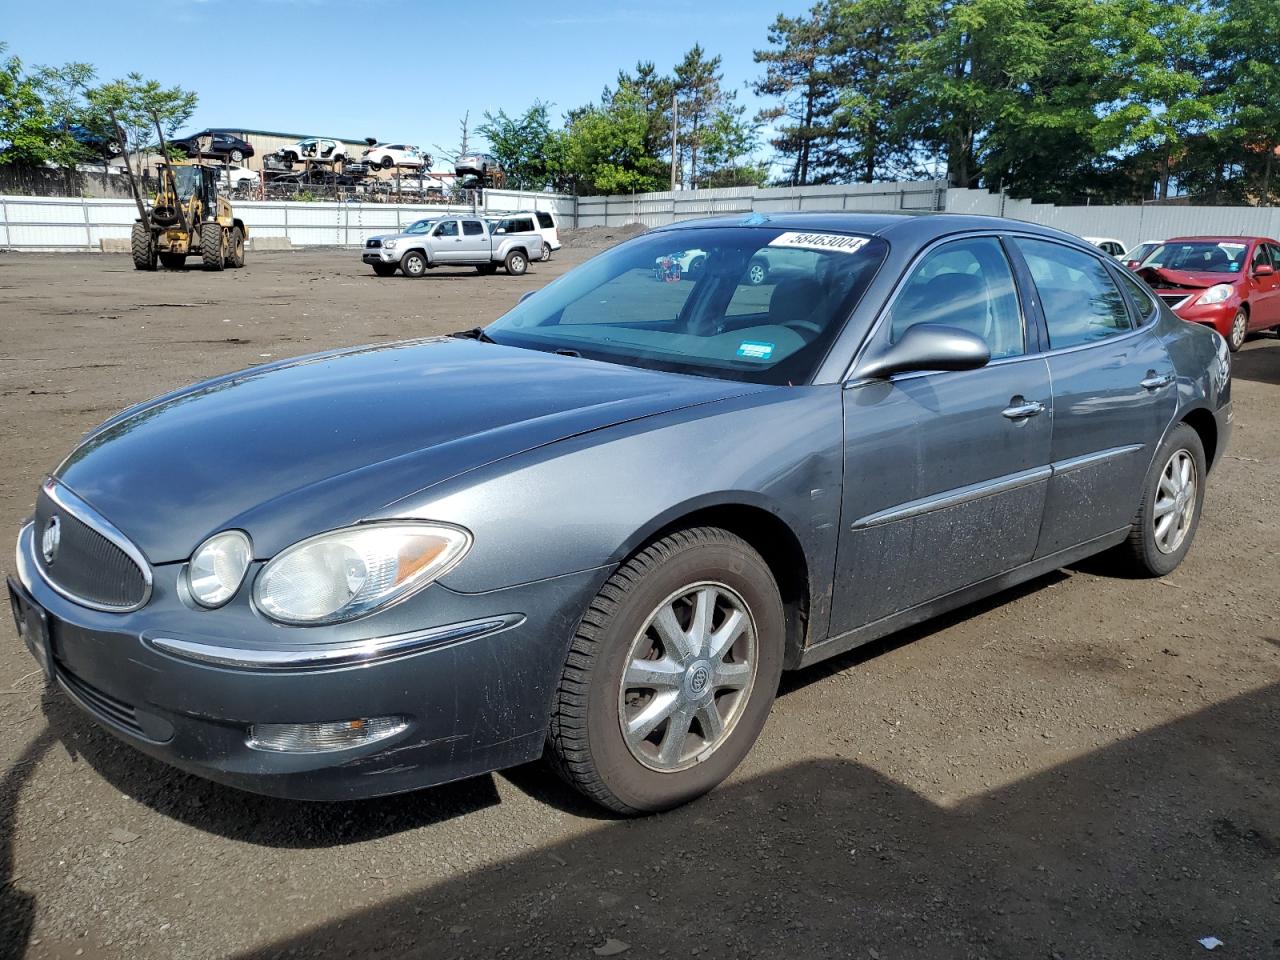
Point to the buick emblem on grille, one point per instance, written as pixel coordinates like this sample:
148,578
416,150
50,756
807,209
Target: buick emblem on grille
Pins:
52,537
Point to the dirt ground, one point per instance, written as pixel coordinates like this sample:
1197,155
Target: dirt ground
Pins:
1084,767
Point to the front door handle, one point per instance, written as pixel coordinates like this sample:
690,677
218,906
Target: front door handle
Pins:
1020,409
1155,381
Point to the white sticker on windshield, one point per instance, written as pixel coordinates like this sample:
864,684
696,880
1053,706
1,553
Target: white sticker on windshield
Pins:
837,243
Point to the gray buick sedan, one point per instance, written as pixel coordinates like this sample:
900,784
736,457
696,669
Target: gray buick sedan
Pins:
603,525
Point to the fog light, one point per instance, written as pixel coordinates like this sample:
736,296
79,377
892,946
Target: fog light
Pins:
322,737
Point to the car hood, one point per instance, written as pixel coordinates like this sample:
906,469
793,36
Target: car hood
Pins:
293,448
1159,277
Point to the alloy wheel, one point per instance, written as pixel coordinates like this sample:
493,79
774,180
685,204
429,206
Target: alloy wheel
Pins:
1175,505
688,677
755,273
1239,329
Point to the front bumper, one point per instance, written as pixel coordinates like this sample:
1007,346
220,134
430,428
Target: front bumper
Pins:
1216,315
379,255
473,702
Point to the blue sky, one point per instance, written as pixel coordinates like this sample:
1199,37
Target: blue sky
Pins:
398,70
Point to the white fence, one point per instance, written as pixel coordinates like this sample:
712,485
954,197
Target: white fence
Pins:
72,223
66,223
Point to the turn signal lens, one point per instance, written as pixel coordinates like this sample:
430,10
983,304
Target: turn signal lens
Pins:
322,737
218,566
348,573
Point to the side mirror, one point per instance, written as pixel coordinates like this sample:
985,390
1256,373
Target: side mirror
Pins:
928,346
1264,270
500,230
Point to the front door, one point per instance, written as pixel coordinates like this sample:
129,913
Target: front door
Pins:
446,242
1266,296
945,472
1114,392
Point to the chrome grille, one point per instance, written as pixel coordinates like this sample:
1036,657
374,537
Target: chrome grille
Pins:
94,565
1173,299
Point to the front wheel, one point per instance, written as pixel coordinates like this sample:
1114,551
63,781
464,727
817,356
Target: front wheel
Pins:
757,273
237,156
413,264
1166,521
516,263
142,247
213,246
1239,330
671,675
387,163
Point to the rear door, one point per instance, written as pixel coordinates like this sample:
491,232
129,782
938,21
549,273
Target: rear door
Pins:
945,471
475,242
1114,392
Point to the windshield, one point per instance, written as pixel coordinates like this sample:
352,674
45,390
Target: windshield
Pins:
1203,256
186,180
419,226
740,303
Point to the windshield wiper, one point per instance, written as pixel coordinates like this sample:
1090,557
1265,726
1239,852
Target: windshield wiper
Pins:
475,333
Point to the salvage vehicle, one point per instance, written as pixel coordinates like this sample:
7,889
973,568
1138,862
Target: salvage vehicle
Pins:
605,523
1108,245
1133,258
480,165
451,241
388,155
314,148
1231,284
221,145
541,222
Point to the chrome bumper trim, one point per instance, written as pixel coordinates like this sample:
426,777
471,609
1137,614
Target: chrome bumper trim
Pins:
327,656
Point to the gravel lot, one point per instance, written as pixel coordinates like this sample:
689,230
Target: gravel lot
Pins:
1083,767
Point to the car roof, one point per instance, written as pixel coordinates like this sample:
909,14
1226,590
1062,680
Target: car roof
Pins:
917,226
1223,238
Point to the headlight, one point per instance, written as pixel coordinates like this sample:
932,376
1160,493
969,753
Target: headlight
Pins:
348,573
389,244
217,567
1217,293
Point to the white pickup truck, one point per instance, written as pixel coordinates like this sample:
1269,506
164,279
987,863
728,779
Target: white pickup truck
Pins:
450,241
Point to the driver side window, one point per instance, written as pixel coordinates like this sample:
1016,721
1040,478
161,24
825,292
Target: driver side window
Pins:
966,284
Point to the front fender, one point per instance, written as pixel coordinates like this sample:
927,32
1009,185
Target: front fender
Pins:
588,501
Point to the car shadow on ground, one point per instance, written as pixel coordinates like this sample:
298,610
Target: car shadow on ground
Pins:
1259,360
1136,849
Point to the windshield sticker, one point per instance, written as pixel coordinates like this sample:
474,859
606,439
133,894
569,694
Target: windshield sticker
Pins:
834,242
755,350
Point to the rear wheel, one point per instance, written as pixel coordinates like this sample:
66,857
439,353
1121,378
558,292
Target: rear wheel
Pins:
546,252
213,246
236,253
387,162
413,264
1166,521
143,250
173,261
237,156
1239,330
384,269
671,675
757,272
516,263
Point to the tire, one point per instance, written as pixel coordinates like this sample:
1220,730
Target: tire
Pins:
413,264
1239,331
593,701
211,249
387,163
757,272
517,263
1148,552
237,156
384,269
173,261
546,252
143,250
695,268
235,256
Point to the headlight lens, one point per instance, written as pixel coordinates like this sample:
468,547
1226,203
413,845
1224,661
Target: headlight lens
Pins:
389,244
218,566
1217,293
348,573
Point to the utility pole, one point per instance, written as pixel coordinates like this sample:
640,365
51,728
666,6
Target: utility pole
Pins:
675,130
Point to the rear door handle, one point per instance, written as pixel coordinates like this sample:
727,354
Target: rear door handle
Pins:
1155,381
1021,409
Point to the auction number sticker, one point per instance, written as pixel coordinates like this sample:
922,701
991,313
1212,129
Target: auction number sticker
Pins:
835,242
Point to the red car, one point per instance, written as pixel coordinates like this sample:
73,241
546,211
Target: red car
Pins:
1228,283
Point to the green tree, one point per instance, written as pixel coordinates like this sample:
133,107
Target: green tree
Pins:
520,144
63,90
603,149
697,87
137,104
1247,46
654,91
1162,54
729,140
25,123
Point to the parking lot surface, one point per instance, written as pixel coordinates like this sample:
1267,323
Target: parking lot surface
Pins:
1083,767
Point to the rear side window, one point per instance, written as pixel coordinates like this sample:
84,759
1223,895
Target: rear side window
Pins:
1082,304
1140,294
545,221
472,228
966,284
524,225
